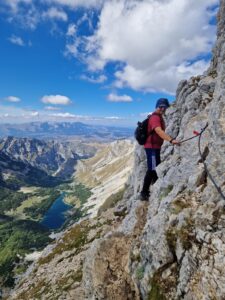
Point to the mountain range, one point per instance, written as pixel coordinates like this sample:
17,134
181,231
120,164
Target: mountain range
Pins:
54,158
65,129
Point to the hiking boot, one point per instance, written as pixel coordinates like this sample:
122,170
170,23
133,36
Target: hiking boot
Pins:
144,196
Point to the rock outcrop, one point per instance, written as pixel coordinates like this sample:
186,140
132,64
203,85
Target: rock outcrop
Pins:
174,246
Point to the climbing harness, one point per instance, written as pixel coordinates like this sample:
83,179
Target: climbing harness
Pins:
199,135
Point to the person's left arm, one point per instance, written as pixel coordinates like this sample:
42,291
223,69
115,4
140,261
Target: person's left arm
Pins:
165,136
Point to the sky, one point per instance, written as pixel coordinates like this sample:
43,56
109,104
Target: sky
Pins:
99,61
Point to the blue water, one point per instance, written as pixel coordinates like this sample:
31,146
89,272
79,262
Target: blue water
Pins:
55,216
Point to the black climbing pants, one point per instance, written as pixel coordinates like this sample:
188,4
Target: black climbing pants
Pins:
150,178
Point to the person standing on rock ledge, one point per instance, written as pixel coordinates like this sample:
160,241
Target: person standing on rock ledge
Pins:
156,130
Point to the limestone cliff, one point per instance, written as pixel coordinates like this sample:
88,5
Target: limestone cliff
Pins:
170,248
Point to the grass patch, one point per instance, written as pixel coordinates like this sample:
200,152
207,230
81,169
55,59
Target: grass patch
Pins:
36,291
81,192
111,201
165,192
78,194
178,205
65,283
163,288
75,238
156,293
184,234
140,273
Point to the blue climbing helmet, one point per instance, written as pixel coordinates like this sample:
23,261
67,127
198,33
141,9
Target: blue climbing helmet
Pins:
162,102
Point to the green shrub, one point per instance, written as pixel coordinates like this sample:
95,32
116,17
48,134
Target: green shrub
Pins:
18,238
140,273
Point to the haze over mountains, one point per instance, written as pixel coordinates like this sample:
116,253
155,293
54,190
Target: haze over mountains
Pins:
65,129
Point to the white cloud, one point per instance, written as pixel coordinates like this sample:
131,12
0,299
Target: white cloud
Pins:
29,18
23,12
12,114
78,3
72,29
13,4
34,114
116,98
52,108
93,79
153,43
56,100
13,99
145,114
55,13
152,79
113,118
154,40
64,115
16,40
72,49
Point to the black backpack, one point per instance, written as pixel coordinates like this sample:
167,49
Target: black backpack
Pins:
141,132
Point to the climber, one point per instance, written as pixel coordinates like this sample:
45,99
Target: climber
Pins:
156,128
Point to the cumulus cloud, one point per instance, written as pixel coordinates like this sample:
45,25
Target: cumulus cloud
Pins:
116,98
13,99
56,100
55,13
16,40
153,44
158,42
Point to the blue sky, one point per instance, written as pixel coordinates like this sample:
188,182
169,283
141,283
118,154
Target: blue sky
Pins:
102,62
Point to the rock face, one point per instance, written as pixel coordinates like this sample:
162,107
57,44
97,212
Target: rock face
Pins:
174,246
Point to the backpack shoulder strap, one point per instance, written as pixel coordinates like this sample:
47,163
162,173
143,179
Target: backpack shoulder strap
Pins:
151,132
